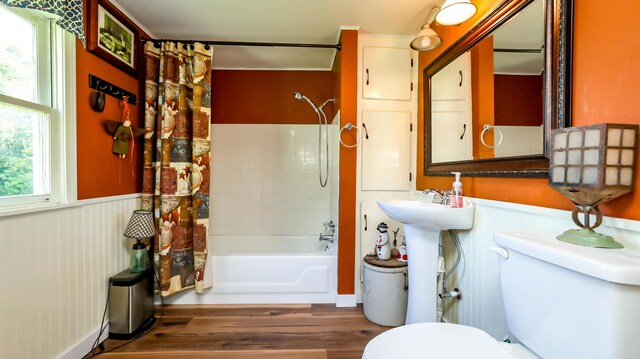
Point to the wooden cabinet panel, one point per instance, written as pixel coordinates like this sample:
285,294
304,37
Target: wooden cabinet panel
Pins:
386,73
386,151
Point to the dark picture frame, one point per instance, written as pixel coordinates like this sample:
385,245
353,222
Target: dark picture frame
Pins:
112,37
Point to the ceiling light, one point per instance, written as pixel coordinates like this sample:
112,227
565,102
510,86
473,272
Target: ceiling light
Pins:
455,12
427,39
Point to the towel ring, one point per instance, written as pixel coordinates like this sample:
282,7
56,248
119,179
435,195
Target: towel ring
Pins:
348,127
486,128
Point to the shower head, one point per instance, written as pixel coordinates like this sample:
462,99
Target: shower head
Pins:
301,97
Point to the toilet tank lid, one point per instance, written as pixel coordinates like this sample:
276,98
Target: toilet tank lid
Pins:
613,265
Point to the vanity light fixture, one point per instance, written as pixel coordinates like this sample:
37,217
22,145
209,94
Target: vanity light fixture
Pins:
591,165
455,12
427,39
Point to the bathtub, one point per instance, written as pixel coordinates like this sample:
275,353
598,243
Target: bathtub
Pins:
271,269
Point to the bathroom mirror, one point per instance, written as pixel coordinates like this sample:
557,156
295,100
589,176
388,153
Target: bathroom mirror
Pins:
491,99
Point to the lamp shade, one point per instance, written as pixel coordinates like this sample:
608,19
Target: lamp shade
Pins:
455,12
427,39
591,165
140,225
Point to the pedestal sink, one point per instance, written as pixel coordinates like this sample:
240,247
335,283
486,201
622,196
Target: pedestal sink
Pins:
423,221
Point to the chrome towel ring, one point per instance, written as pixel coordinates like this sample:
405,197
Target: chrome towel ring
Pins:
486,128
349,127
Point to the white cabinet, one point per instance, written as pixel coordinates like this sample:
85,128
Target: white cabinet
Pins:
386,146
451,112
452,137
386,73
453,81
372,215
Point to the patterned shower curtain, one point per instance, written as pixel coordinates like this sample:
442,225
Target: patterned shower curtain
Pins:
176,170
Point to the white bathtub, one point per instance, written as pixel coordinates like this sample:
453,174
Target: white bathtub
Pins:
271,269
266,270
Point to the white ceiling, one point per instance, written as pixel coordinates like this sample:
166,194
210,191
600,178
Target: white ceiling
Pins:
291,21
523,31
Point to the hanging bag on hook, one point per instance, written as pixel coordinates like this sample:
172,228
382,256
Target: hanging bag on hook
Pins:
97,101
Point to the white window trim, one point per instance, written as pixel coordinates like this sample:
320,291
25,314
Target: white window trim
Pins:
63,133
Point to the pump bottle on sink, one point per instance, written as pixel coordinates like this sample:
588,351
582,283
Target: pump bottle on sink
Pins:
456,192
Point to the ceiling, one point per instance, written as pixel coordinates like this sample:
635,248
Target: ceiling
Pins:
277,21
523,31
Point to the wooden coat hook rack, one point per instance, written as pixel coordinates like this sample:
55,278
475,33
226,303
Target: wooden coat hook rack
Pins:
106,87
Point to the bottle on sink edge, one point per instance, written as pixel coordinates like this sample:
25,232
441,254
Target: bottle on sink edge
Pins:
456,192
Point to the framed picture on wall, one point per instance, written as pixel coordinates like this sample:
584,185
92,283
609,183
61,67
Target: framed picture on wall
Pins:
112,37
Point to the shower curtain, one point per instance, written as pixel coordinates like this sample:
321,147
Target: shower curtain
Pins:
176,170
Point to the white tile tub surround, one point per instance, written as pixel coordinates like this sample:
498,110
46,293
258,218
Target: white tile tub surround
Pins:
519,140
265,180
478,275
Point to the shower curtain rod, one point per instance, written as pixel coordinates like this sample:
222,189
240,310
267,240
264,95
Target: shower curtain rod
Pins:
522,51
244,43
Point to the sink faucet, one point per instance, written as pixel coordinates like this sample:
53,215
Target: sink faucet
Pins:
439,196
329,232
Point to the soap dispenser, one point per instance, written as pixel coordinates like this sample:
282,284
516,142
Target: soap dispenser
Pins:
456,192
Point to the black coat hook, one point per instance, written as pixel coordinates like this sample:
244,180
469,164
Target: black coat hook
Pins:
105,87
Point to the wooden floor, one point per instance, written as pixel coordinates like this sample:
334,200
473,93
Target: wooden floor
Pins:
306,331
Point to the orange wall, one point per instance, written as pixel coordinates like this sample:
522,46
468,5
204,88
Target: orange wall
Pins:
604,88
482,92
100,172
242,96
348,74
518,100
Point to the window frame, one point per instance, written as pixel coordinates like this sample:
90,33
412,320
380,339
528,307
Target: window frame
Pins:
56,95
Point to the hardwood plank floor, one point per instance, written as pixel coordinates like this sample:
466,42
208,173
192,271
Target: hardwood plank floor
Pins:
297,331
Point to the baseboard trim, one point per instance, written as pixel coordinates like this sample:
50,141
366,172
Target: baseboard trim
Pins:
346,300
82,347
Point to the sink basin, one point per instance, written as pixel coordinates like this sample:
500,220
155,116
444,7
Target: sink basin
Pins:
423,221
429,216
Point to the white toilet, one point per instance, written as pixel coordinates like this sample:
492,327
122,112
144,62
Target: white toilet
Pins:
562,301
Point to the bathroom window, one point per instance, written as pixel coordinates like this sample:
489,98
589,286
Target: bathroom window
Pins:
34,120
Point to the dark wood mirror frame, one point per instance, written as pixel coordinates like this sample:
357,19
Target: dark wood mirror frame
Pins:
556,97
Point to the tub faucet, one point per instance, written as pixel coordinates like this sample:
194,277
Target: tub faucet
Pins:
329,232
439,196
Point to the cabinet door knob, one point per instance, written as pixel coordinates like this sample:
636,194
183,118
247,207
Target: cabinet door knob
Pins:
365,222
460,84
367,71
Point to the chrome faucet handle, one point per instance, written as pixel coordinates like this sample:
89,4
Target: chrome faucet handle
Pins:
439,196
329,227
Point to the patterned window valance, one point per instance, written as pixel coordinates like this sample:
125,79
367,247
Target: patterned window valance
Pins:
69,11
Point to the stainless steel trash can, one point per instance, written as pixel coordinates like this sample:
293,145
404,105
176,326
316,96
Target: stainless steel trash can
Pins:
130,303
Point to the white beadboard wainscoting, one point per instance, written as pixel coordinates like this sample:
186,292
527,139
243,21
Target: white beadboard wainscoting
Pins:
478,275
54,272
